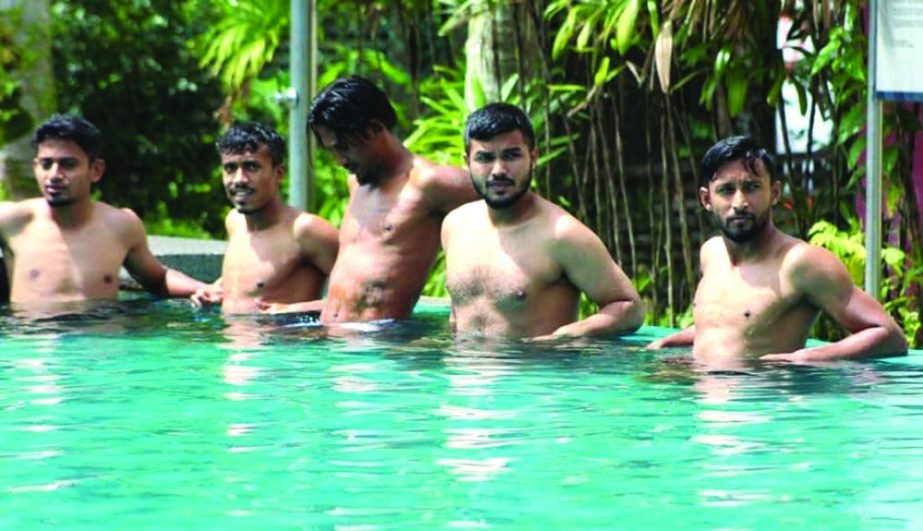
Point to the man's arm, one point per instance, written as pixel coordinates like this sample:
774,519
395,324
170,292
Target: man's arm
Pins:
143,266
588,265
825,281
318,240
446,187
683,338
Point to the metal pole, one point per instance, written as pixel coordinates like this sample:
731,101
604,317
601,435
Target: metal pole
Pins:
301,173
873,166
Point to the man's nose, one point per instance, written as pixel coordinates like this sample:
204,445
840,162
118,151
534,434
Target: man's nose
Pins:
56,171
240,176
740,201
498,168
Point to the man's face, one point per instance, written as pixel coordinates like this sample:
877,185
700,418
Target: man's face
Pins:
64,172
501,168
740,201
250,179
353,154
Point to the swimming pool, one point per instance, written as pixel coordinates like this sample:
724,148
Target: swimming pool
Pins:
150,414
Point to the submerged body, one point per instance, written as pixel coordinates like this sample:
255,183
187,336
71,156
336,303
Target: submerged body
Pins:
516,279
389,236
48,261
270,266
516,264
761,290
389,239
277,255
66,247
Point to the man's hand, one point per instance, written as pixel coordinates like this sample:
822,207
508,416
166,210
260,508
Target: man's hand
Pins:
210,294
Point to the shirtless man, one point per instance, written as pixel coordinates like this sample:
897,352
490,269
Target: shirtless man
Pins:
762,289
277,254
66,247
389,236
516,263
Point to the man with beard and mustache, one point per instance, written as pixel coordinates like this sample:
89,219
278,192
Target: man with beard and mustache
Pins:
277,255
389,236
761,289
516,263
66,247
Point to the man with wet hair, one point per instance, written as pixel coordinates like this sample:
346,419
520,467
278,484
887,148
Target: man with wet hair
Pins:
516,264
761,290
277,255
389,236
66,247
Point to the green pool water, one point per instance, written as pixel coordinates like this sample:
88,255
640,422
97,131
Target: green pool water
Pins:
150,415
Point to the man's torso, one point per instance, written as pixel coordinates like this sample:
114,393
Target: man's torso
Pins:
49,263
268,266
506,281
389,238
746,310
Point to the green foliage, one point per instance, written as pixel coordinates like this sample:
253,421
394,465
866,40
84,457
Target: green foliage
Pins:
14,120
897,287
129,68
244,39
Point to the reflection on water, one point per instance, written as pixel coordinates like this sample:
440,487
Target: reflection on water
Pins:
143,412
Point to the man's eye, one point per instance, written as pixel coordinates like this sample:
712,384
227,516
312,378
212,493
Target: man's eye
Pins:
251,166
484,158
230,168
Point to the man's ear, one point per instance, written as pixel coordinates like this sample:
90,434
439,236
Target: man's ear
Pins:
375,127
776,192
279,171
97,168
533,154
705,198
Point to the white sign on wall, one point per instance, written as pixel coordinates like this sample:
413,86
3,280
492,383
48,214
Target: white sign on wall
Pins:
899,50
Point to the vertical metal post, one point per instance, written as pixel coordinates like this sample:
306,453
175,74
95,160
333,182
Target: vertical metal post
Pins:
301,172
873,165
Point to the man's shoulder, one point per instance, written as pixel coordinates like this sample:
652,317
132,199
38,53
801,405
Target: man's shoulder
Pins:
305,223
800,257
466,213
427,173
116,214
16,214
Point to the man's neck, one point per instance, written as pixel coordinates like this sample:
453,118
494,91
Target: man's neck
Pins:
266,217
72,215
755,248
395,160
514,214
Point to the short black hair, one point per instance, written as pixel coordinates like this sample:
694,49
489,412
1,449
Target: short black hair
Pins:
495,119
72,128
733,148
243,137
348,107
